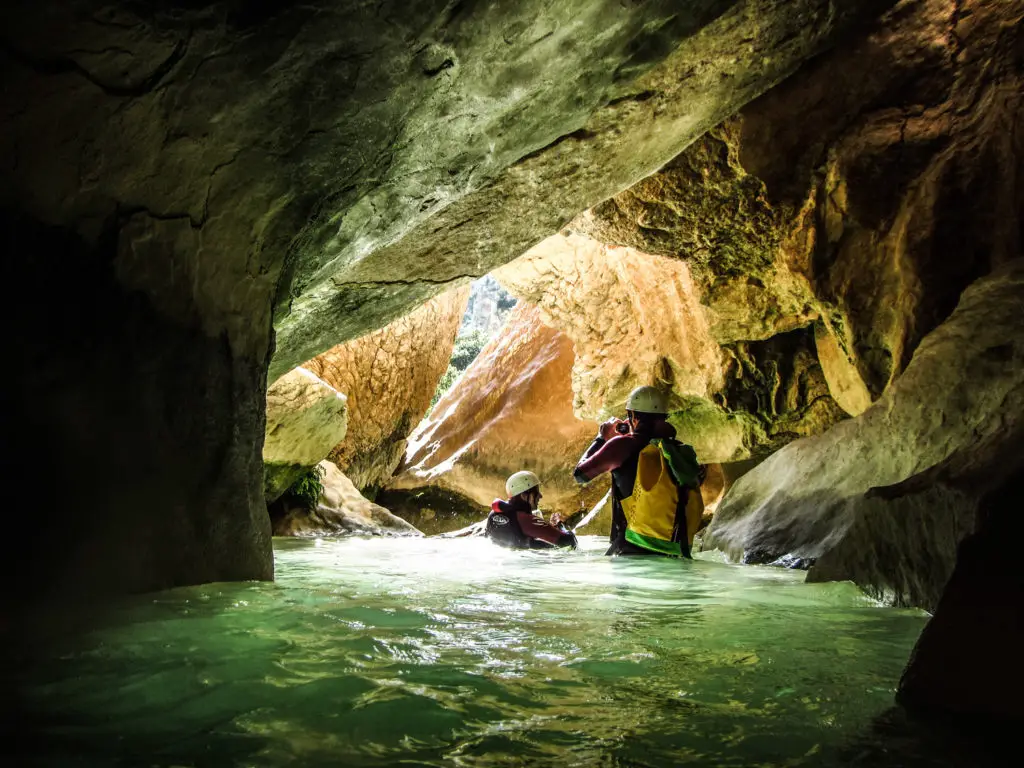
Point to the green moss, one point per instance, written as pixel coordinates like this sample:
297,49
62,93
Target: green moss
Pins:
307,489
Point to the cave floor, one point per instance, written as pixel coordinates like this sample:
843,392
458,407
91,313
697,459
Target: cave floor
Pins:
440,652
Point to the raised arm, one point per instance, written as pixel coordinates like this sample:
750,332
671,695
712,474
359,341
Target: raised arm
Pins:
604,458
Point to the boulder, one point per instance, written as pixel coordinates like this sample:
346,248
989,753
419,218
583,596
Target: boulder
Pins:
306,418
342,511
389,377
510,410
885,498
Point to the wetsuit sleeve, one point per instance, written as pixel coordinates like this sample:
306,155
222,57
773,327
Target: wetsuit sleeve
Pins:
536,528
607,457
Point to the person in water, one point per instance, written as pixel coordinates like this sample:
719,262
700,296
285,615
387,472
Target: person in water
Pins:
513,524
656,501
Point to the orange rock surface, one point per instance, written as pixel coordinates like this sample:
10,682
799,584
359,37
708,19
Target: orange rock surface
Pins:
389,377
510,410
636,318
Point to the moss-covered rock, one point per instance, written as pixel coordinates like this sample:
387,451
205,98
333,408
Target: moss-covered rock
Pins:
306,418
341,511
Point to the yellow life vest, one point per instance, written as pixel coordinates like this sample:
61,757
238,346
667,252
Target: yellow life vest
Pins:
651,509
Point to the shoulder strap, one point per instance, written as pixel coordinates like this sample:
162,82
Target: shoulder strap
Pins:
681,460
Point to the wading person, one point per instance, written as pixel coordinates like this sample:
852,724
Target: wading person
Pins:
512,522
656,501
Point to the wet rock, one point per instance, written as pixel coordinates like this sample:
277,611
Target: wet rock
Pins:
510,410
863,194
884,499
631,317
389,377
232,186
342,511
636,318
967,660
797,563
433,510
306,418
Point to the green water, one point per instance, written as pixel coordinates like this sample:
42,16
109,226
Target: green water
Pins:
455,652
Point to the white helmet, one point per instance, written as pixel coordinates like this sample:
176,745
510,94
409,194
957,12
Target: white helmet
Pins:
647,400
521,482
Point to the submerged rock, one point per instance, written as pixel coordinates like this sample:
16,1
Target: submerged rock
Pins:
884,499
306,418
433,509
389,377
342,510
510,410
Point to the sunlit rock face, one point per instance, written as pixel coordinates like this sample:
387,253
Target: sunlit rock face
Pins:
342,511
630,316
863,194
389,377
510,410
306,419
884,499
636,318
206,173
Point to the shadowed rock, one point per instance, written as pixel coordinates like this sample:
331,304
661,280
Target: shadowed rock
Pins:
945,430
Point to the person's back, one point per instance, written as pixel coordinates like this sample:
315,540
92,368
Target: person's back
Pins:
656,503
512,523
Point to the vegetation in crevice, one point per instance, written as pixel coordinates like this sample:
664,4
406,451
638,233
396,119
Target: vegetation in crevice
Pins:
307,489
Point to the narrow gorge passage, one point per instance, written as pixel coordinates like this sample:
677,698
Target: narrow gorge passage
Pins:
296,287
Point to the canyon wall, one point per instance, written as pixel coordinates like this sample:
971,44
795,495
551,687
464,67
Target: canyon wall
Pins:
861,196
885,498
510,410
389,377
635,318
209,190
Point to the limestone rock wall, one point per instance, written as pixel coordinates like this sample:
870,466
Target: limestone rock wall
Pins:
862,195
510,410
884,499
636,318
623,310
208,173
389,377
306,419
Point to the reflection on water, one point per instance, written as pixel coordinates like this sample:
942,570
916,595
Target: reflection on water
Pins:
442,652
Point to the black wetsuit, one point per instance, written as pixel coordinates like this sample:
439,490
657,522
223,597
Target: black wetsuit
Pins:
512,524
